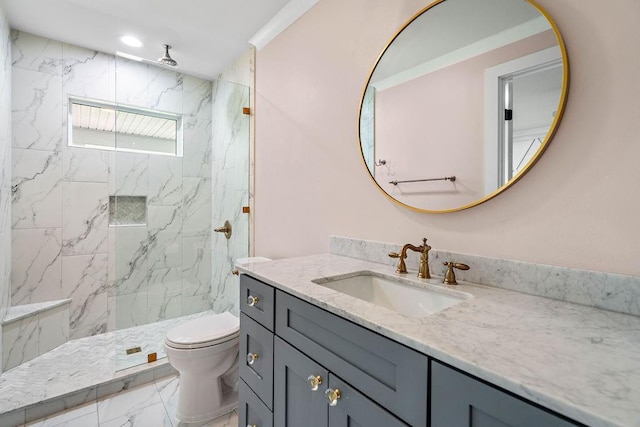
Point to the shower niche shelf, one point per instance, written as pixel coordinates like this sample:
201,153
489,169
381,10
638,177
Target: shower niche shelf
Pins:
127,211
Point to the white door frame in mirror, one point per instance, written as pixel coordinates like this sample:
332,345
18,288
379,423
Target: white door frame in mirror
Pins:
494,113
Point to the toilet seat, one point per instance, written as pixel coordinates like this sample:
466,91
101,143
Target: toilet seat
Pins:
205,331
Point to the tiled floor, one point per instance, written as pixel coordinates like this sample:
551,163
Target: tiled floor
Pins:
150,405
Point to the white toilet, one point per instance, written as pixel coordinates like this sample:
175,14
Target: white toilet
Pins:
205,353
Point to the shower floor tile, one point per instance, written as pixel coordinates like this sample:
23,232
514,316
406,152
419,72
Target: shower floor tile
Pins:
83,370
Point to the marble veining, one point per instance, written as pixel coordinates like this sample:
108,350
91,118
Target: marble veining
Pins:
129,174
85,164
35,53
87,73
165,181
36,108
86,285
85,225
35,271
576,360
196,207
36,189
608,291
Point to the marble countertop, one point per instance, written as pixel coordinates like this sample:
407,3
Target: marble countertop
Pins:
578,361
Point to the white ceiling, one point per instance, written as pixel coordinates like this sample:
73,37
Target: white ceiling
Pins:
206,35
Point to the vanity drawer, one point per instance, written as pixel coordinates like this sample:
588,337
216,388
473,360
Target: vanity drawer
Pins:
251,410
389,373
256,343
256,300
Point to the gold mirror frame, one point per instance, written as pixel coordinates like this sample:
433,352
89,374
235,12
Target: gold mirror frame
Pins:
541,149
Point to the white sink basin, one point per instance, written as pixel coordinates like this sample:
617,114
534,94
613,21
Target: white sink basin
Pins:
402,298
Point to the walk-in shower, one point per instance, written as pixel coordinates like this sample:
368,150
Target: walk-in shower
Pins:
122,169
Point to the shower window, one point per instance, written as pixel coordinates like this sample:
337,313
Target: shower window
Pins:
95,124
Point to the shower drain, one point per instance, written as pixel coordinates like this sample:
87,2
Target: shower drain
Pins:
133,350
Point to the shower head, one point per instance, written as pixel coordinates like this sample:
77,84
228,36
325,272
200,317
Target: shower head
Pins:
166,58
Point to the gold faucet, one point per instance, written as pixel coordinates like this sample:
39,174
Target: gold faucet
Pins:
423,270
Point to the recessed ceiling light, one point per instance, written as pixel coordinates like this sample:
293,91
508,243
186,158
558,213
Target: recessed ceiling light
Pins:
131,41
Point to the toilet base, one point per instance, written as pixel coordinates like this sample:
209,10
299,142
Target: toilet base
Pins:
229,403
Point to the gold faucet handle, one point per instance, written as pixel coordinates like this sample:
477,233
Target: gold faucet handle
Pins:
450,276
395,255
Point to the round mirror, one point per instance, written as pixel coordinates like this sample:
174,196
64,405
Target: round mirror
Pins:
462,102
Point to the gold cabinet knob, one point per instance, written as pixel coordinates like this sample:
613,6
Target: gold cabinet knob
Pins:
235,272
314,381
252,301
252,357
333,395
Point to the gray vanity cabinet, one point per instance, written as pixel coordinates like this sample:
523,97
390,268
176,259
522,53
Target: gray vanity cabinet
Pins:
297,403
460,400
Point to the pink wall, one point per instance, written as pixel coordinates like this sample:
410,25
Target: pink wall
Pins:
577,207
433,126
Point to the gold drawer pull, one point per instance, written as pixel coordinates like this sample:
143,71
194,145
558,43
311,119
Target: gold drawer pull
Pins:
314,381
252,301
333,396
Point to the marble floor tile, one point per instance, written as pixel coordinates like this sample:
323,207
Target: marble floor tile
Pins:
81,416
150,416
151,405
229,420
129,403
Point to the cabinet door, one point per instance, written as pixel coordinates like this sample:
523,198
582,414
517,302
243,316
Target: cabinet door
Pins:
353,409
458,400
295,402
251,410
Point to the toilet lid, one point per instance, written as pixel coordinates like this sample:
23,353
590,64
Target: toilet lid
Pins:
204,331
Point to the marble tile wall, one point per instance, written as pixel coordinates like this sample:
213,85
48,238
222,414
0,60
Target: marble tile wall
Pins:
608,291
62,244
5,169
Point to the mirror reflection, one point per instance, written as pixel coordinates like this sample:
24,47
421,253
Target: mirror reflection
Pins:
462,102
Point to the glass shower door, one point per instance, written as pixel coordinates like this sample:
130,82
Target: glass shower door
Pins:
166,264
230,176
